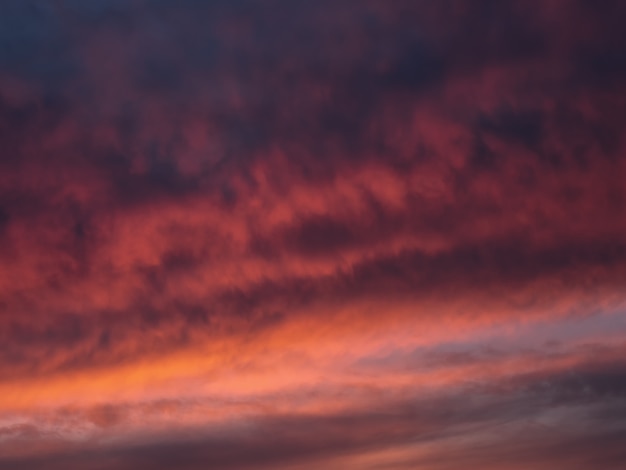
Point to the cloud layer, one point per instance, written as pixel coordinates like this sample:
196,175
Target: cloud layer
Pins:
280,234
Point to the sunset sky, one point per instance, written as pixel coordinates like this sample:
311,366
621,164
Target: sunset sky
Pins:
312,234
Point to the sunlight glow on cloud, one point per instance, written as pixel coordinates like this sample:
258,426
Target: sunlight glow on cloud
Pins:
285,234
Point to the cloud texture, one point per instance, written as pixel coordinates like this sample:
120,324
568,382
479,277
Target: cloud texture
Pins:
290,234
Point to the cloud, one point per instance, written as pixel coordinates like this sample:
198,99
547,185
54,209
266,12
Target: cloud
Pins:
499,425
289,188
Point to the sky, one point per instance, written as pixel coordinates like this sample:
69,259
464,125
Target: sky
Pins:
296,235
